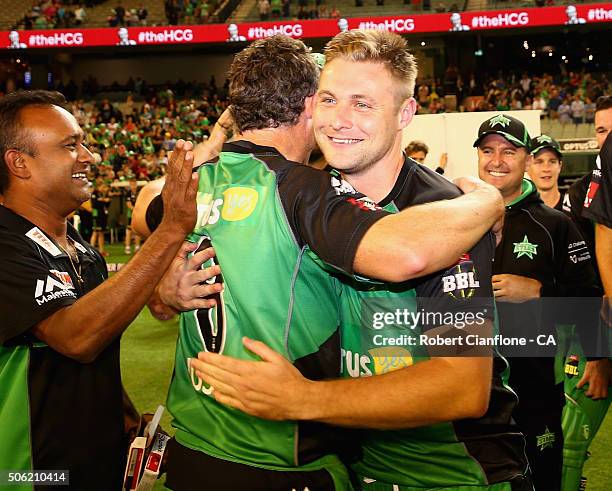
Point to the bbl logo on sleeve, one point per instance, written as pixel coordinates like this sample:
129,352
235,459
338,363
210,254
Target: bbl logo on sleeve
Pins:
460,281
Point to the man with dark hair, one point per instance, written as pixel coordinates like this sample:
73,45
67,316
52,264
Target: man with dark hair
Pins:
61,321
418,150
274,223
429,428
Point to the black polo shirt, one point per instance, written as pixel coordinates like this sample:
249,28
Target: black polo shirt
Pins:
55,413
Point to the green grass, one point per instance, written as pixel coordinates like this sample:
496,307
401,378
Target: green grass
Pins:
147,358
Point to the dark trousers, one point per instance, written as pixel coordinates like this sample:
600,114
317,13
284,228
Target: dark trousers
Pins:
188,470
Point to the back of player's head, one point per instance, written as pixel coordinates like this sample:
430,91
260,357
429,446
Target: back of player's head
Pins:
12,134
603,102
416,146
269,82
384,47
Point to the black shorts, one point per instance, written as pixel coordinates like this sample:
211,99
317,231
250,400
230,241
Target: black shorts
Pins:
189,470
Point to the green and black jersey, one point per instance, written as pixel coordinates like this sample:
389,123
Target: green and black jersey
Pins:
474,452
55,413
265,215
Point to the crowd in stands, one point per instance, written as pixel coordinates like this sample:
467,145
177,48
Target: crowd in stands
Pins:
190,11
120,16
50,14
569,96
305,9
133,139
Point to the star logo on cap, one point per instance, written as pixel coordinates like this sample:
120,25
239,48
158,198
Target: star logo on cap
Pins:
525,248
499,119
544,139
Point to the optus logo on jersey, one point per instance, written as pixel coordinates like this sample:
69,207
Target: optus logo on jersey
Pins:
376,362
238,203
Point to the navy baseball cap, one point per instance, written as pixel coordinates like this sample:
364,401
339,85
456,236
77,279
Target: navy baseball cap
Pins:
507,126
545,142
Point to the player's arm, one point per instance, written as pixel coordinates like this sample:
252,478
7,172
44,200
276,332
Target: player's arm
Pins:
413,247
429,392
82,329
349,232
145,196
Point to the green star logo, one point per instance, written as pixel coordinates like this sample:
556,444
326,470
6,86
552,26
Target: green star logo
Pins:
525,248
499,119
544,139
545,440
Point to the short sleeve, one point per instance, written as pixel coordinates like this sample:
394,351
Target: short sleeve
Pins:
29,289
327,214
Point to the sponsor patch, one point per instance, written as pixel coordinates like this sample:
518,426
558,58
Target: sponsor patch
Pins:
341,186
43,241
239,203
364,203
58,284
578,252
387,359
591,192
461,281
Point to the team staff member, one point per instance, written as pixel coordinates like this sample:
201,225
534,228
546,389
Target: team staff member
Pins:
417,150
61,321
585,382
263,213
456,441
541,255
545,169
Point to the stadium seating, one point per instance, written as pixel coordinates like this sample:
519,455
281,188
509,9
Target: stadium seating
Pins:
348,8
98,15
11,12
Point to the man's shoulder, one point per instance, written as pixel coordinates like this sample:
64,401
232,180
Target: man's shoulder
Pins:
552,220
422,185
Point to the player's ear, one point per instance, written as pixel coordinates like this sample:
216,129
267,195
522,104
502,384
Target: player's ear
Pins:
17,163
309,106
528,161
407,112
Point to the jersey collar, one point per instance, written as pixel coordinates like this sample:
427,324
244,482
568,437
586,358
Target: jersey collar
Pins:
15,223
400,182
